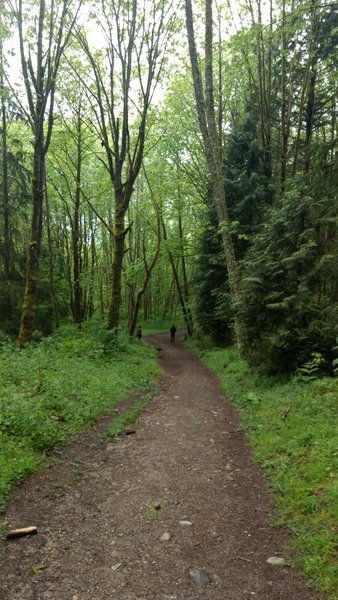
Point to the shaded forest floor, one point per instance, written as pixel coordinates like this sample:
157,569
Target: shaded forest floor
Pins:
177,510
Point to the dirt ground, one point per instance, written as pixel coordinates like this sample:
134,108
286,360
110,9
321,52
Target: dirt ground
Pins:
177,510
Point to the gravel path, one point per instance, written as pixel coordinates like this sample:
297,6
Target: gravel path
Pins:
177,510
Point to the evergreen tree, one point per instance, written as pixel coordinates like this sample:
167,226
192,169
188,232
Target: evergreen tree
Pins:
290,280
249,192
213,304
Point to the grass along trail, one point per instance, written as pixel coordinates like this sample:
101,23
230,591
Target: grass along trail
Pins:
178,510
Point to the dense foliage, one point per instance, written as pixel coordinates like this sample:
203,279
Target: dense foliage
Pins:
122,220
213,305
280,177
57,386
291,284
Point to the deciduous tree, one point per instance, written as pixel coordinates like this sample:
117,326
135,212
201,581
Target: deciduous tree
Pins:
51,23
208,125
136,35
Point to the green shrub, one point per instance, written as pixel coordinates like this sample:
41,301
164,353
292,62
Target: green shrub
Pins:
56,386
290,281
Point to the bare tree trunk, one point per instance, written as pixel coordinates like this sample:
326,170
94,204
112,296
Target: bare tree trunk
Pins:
27,325
333,137
264,74
141,292
207,121
7,305
137,35
40,89
184,273
93,263
286,107
168,300
309,120
77,292
119,235
307,92
50,263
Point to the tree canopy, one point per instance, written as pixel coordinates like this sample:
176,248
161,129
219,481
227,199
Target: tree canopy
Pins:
161,159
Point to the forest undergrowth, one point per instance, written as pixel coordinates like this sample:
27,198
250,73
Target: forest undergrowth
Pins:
58,385
292,427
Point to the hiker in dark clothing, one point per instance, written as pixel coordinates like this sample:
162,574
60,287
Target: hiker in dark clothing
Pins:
172,333
139,332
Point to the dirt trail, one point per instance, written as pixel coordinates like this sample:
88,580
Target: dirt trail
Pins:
186,472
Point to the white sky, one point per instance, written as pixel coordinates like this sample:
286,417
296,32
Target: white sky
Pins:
95,35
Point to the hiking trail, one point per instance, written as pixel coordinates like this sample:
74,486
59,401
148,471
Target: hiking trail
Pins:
176,511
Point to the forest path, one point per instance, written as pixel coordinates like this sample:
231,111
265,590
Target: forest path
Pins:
186,472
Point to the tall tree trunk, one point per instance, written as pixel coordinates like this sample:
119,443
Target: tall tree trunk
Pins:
93,263
333,138
168,300
7,304
287,97
141,292
309,120
184,272
130,33
39,80
147,274
118,254
264,73
77,292
207,121
50,263
307,95
27,325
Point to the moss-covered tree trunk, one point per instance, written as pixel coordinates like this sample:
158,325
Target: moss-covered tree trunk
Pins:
51,262
27,324
7,302
208,125
77,292
40,79
118,254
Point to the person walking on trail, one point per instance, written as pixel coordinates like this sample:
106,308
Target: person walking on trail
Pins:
172,333
139,332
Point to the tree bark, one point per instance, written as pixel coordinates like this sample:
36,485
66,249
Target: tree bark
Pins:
77,292
207,121
50,263
27,325
309,120
40,90
184,272
118,254
7,304
123,157
307,95
287,96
